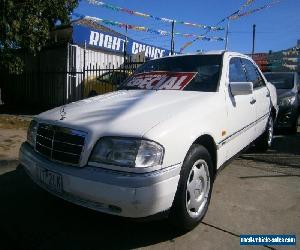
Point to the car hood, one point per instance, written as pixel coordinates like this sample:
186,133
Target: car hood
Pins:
124,113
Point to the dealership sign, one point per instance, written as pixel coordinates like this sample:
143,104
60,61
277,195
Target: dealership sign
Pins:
114,42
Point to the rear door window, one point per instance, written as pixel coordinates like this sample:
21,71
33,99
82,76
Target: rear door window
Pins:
253,74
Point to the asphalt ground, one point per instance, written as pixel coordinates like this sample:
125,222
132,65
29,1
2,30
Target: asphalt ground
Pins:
255,194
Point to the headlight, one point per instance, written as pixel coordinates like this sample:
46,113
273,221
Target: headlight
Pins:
31,133
287,101
127,152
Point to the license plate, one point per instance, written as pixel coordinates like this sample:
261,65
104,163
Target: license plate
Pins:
50,179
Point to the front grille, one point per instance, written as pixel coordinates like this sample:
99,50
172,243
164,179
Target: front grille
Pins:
59,143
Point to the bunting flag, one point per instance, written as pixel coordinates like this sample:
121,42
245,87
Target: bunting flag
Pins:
163,19
187,45
145,29
249,12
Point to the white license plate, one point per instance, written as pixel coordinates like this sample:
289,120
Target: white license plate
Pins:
50,179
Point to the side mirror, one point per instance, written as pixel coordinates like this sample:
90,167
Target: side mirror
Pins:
241,88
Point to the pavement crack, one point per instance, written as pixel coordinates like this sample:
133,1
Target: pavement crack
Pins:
231,233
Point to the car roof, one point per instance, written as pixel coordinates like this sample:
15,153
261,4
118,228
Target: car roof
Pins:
211,52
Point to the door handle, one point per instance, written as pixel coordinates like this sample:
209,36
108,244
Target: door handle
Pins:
268,95
253,101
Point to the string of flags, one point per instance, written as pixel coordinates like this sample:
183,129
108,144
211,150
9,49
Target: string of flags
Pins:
249,12
246,4
187,44
163,19
145,29
236,15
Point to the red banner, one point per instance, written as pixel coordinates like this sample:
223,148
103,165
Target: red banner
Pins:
161,80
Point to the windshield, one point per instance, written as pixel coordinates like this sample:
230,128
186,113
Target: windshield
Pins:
188,73
281,80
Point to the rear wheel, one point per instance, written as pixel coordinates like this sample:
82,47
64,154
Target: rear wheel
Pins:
265,141
194,189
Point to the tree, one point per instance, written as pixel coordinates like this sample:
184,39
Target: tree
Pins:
25,24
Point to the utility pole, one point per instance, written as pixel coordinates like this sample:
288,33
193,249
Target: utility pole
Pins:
125,51
253,38
227,33
126,41
172,38
83,71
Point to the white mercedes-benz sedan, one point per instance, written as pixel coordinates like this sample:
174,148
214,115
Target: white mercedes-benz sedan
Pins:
156,144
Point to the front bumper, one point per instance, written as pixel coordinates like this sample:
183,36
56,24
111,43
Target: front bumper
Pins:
119,193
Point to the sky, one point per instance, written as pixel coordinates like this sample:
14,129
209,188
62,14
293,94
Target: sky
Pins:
277,27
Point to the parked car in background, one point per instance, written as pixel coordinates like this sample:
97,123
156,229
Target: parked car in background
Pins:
288,92
107,82
156,144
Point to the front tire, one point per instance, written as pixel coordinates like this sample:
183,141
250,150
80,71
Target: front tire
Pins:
265,141
194,189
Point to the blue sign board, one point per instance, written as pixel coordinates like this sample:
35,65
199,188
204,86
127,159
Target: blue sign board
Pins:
114,43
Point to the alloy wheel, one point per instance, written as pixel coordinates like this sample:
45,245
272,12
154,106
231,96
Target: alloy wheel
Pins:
197,189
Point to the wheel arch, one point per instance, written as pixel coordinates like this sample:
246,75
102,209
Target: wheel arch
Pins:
208,142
